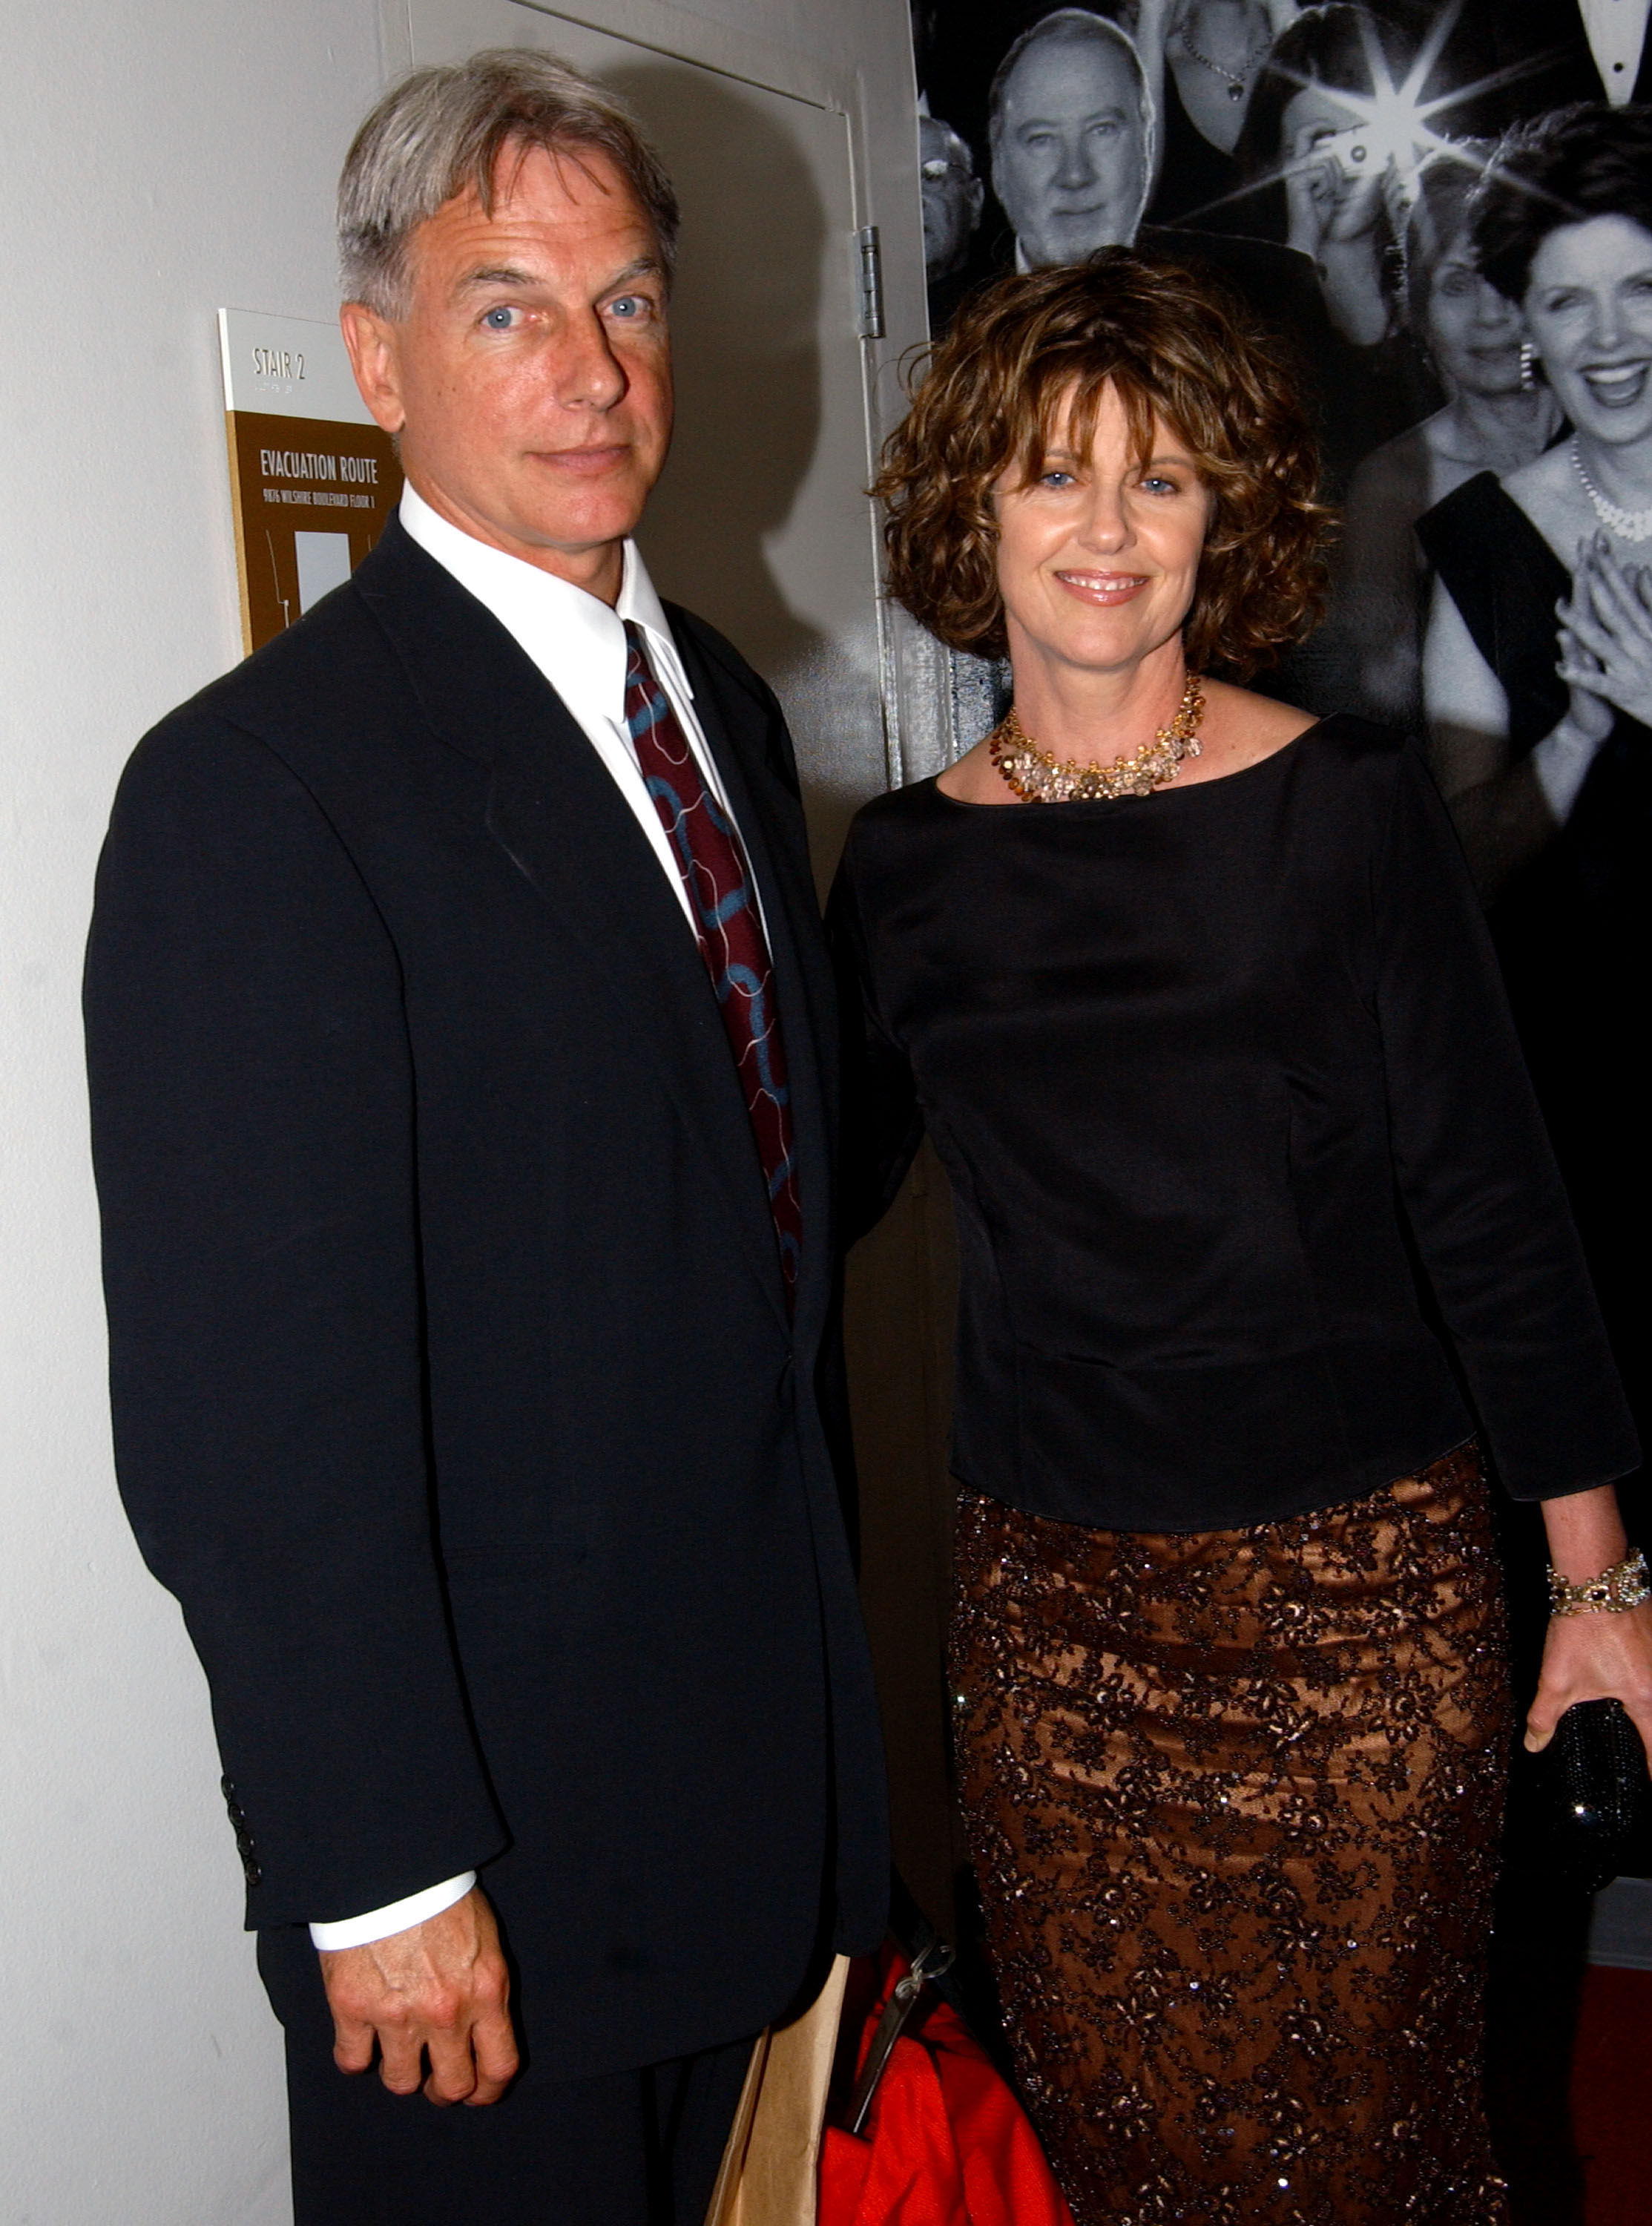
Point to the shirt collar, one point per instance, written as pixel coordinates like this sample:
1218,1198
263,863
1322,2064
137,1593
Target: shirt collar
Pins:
576,639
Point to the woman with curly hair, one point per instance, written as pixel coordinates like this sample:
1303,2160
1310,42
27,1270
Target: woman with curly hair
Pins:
1258,1228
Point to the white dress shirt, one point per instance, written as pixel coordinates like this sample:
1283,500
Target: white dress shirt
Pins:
579,644
1617,33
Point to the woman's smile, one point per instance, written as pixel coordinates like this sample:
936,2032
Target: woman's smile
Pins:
1616,385
1103,588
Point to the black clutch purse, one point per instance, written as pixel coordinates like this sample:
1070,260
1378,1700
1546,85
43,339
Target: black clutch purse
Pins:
1598,1780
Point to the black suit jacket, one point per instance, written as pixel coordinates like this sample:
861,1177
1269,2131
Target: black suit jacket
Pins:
455,1393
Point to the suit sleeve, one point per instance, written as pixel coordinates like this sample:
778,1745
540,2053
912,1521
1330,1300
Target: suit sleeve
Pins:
1476,1175
883,1123
254,1127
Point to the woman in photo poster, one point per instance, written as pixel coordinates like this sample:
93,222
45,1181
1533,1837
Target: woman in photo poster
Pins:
1496,418
1328,155
1211,51
1538,666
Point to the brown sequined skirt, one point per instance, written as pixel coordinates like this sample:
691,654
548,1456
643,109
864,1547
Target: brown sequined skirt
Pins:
1233,1802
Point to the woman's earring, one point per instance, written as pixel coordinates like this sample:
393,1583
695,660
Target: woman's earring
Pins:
1527,358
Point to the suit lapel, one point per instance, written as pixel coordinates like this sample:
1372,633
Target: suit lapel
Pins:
555,811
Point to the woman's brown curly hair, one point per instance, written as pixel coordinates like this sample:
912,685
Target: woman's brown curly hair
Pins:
1173,347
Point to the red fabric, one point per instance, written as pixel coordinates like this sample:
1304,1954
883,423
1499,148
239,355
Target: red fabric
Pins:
946,2143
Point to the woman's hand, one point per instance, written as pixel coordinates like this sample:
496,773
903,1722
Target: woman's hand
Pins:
1328,207
1601,1655
1335,209
1594,1657
1590,713
1606,634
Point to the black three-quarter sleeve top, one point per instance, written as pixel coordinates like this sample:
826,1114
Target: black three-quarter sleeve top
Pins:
1226,1086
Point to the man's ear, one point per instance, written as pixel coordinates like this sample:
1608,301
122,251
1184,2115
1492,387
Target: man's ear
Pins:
375,357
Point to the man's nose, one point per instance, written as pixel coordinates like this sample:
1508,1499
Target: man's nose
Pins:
586,374
1077,166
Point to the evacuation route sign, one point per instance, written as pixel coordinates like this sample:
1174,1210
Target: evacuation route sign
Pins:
312,477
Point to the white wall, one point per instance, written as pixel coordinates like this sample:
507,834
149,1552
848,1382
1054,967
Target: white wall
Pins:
155,161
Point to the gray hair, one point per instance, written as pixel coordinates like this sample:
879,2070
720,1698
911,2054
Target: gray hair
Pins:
442,130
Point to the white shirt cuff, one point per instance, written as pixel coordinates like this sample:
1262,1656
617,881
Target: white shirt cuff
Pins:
394,1917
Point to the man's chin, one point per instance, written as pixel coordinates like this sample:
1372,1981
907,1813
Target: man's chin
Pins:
1079,238
576,529
532,516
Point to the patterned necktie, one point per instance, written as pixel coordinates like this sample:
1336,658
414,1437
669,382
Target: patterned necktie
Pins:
723,906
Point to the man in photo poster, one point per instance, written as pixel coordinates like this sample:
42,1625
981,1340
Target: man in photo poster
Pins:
462,1060
952,198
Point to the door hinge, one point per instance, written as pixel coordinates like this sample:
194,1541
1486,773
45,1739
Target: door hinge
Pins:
871,320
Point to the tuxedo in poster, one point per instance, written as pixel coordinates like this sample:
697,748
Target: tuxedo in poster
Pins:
1448,212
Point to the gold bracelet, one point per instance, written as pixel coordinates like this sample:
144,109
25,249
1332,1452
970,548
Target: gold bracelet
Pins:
1614,1592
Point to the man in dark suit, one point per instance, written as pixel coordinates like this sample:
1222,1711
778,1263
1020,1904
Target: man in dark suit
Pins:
462,1060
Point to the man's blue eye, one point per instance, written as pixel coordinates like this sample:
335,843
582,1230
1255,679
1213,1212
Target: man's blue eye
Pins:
498,321
628,305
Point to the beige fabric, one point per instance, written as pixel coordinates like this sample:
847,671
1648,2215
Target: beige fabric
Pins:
771,2168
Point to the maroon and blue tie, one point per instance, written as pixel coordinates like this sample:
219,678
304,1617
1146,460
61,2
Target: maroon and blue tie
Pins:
722,905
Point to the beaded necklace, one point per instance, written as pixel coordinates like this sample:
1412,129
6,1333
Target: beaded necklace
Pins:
1038,777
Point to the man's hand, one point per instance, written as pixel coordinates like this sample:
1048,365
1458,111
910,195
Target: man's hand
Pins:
440,1987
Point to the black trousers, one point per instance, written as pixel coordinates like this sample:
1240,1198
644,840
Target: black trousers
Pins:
631,2148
